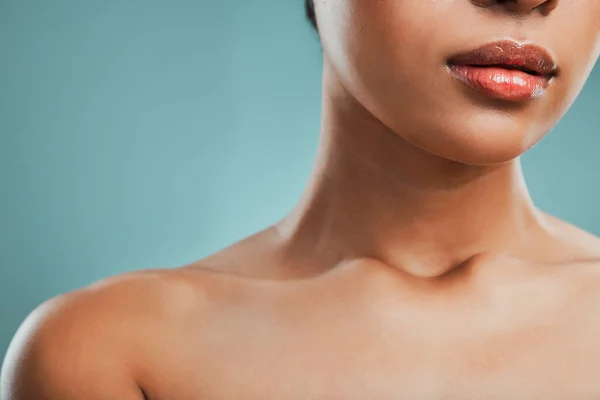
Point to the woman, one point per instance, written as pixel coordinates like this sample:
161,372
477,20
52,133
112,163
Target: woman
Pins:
415,265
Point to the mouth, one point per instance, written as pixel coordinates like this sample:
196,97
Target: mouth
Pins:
505,70
510,67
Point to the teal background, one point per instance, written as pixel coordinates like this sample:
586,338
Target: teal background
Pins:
143,134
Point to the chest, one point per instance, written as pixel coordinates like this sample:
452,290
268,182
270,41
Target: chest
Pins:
352,345
341,362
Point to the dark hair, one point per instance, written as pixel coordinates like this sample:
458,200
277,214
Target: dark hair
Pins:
310,13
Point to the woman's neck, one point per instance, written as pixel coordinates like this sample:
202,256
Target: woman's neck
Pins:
374,195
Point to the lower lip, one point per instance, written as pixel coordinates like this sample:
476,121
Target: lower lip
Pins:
501,83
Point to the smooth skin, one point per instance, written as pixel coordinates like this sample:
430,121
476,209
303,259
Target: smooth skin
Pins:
415,265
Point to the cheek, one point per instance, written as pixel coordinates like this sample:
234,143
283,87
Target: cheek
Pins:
576,57
356,29
379,48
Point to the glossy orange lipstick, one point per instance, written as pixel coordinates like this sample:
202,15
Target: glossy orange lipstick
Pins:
505,70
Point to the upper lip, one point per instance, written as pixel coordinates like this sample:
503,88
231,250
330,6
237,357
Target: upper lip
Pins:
509,54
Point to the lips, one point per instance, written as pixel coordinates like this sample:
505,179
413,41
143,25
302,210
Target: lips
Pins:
505,70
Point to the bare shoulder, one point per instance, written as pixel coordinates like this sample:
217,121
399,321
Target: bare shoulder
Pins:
104,340
577,241
580,250
86,343
581,268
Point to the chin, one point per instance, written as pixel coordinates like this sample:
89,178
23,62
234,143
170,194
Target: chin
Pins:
480,140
